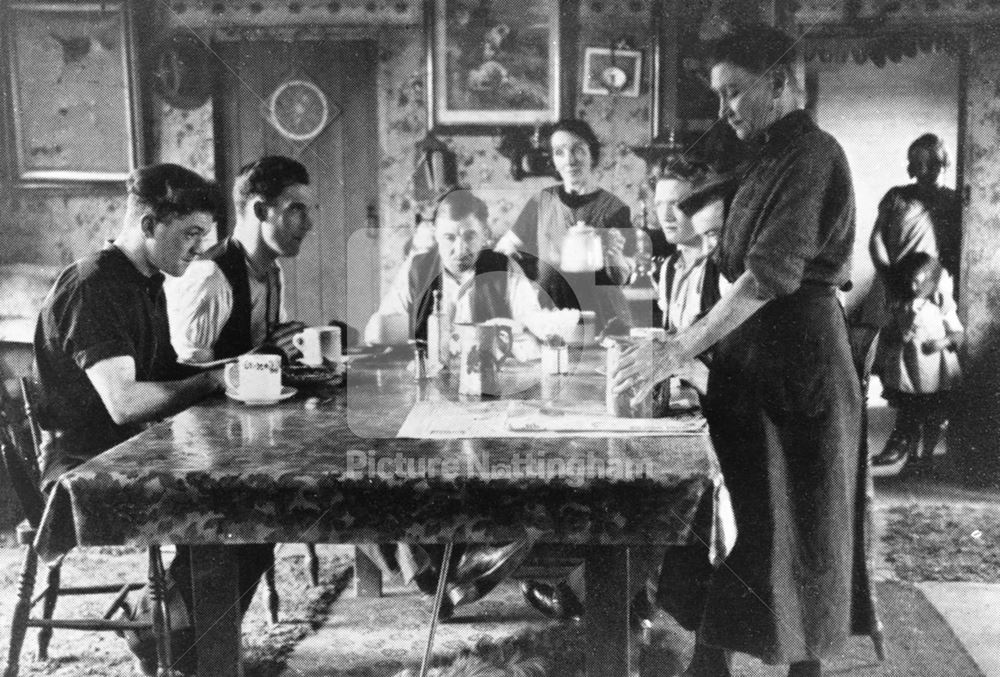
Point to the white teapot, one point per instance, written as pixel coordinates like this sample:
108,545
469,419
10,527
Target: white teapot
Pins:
582,250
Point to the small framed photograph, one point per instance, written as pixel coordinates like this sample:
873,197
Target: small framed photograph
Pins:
612,71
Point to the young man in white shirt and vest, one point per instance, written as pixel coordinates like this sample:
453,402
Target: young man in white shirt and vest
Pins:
230,301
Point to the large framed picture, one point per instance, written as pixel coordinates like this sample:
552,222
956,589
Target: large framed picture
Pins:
494,63
72,87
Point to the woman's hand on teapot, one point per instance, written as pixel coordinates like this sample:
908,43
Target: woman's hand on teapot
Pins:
615,262
614,243
614,248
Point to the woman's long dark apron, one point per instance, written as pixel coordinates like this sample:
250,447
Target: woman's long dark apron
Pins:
784,411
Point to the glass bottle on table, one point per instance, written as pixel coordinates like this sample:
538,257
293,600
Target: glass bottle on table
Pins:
438,336
644,270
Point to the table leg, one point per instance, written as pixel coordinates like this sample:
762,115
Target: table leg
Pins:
216,611
607,611
367,575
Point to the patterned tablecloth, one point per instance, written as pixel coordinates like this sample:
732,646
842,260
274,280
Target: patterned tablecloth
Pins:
327,467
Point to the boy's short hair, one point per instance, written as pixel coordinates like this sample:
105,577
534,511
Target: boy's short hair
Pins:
717,150
903,271
718,189
267,178
171,191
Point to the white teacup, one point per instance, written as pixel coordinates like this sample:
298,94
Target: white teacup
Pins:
319,344
255,377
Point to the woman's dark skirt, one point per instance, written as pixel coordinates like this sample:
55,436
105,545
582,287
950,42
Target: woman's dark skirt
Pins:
784,411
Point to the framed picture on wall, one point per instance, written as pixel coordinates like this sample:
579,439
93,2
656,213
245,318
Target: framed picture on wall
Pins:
494,62
71,82
612,71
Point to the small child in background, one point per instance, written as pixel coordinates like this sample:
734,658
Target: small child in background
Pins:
918,363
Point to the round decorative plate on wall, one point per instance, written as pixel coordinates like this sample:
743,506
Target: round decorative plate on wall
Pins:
299,110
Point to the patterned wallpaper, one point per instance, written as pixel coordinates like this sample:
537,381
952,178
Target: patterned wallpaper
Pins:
619,121
201,13
52,229
56,229
185,137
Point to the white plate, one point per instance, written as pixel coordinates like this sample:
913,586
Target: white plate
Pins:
286,392
213,363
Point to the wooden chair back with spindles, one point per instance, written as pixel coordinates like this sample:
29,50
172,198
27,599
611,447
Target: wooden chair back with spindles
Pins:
23,471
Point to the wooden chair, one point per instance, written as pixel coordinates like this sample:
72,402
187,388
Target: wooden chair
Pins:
29,394
22,471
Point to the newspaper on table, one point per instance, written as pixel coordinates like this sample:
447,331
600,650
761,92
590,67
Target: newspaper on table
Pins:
531,418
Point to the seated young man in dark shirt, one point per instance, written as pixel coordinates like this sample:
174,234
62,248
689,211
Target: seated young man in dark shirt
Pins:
102,343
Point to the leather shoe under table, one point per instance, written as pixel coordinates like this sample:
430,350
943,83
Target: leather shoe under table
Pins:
555,601
482,567
560,602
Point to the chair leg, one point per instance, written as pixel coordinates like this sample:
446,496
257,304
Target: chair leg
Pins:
272,594
313,561
867,486
48,608
877,636
19,621
161,617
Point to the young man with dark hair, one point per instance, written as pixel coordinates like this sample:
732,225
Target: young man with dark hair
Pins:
461,262
475,284
102,344
230,302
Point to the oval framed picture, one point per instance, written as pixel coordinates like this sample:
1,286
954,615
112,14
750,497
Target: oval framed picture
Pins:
299,110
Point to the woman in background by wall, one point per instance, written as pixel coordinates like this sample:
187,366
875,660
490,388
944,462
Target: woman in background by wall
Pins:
536,239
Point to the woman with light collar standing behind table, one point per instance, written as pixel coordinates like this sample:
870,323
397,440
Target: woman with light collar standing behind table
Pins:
537,238
783,401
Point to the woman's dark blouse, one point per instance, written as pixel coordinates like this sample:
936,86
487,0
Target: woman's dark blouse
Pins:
792,219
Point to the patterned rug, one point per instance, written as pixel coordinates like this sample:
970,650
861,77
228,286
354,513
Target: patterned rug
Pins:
500,636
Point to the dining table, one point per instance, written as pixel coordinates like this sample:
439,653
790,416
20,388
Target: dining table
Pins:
391,453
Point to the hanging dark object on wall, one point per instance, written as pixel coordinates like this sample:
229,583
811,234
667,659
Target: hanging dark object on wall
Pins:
436,169
527,154
182,74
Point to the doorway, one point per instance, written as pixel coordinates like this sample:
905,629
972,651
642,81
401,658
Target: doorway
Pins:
342,158
876,112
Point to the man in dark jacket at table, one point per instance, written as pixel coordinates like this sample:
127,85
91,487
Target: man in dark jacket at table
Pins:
102,346
474,284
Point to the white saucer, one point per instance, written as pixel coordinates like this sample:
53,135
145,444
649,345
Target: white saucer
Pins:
286,392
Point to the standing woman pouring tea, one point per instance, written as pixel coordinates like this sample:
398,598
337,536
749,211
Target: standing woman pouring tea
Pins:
783,401
555,236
